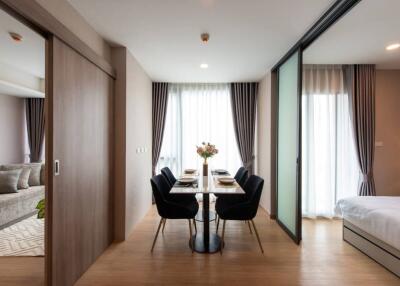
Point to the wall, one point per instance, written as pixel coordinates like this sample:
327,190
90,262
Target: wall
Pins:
139,135
134,134
69,17
264,139
387,157
12,129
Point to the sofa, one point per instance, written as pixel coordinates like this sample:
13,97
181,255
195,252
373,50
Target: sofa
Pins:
16,206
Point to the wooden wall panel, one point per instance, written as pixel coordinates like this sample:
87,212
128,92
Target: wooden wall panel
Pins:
82,199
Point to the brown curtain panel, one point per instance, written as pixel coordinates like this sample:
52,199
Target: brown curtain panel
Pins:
159,106
35,127
360,82
244,100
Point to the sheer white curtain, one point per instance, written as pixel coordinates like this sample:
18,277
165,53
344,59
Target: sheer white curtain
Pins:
198,113
329,165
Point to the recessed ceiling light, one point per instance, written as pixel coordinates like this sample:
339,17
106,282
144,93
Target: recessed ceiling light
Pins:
393,46
205,37
204,66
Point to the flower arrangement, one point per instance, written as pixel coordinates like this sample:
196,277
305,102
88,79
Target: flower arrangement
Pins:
206,151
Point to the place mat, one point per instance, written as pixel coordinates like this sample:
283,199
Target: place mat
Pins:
185,185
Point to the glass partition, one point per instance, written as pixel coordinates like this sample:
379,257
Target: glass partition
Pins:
288,190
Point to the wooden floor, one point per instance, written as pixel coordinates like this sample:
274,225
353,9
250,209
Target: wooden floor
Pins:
21,271
323,258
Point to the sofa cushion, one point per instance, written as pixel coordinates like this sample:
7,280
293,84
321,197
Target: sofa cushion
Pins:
42,175
9,181
23,181
34,176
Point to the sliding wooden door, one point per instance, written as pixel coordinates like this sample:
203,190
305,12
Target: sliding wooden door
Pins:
81,201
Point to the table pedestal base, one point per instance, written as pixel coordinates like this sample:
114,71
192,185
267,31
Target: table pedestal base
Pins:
200,216
199,245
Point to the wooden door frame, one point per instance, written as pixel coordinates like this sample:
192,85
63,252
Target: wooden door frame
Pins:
40,20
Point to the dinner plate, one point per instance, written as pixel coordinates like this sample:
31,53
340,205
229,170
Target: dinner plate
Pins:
190,171
226,181
186,180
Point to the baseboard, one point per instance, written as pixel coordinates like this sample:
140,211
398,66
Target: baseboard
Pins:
268,213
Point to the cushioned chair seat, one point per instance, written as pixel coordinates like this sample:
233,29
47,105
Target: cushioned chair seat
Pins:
182,198
182,211
226,200
232,210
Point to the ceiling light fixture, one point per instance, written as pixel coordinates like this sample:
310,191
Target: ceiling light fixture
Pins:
204,66
393,46
16,37
205,37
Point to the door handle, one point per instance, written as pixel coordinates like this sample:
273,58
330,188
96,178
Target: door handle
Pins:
56,167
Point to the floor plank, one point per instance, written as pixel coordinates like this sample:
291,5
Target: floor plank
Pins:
22,271
323,258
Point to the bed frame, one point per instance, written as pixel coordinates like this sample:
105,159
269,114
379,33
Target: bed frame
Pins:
381,252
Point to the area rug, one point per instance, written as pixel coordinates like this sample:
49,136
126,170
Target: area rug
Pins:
25,238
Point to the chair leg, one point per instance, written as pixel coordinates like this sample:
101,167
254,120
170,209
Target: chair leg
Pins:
258,237
191,235
195,226
217,225
248,223
222,238
158,230
165,221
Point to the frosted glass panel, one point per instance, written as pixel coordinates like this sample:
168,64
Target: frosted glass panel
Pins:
288,143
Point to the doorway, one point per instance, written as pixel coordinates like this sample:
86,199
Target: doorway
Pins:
22,152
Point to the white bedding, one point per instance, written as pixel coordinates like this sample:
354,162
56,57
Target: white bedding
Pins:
378,216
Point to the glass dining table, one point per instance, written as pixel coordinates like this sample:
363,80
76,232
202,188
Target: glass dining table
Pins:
207,242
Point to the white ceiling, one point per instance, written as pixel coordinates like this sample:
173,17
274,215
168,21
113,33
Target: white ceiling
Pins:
9,88
246,37
27,56
361,37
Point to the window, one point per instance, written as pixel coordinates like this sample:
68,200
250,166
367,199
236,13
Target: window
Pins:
198,113
329,165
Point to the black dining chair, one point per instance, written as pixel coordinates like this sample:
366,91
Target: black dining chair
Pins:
183,198
169,209
244,210
241,176
167,173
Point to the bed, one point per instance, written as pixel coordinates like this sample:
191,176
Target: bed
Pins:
372,224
